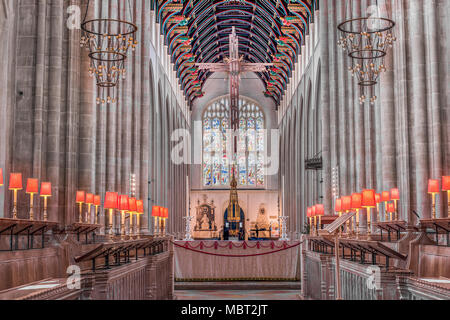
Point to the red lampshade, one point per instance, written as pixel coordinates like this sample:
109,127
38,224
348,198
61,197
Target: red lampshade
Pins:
140,206
308,212
81,197
123,203
161,212
346,203
111,199
320,210
377,197
433,186
395,194
446,183
15,181
46,189
368,198
385,196
32,186
89,198
166,212
97,200
390,208
356,201
132,205
338,205
155,211
1,177
313,211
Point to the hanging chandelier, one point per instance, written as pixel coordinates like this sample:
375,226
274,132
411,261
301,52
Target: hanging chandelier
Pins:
366,40
108,41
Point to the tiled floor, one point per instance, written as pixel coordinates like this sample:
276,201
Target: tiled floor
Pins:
237,294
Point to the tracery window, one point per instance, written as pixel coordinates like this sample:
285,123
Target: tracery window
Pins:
250,154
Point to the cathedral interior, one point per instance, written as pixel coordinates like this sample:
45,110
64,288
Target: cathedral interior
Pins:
224,150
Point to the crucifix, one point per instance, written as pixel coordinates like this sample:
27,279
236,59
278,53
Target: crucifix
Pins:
234,66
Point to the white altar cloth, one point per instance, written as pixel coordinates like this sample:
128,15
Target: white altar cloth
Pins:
236,260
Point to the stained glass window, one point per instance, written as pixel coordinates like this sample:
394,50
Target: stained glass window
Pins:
217,167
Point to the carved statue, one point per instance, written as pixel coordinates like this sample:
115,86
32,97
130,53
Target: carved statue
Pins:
206,224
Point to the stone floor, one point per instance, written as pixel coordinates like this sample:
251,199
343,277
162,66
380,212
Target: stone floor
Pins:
237,294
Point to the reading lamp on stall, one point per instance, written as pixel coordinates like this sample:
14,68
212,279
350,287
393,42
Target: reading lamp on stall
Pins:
347,207
368,202
123,208
395,195
46,192
385,197
140,211
357,205
32,189
313,213
320,211
446,187
111,199
132,209
308,215
89,202
433,189
378,201
15,184
165,218
80,199
97,203
155,215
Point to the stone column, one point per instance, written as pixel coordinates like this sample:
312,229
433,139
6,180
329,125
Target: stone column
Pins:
325,102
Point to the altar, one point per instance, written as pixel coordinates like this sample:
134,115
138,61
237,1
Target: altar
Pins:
237,260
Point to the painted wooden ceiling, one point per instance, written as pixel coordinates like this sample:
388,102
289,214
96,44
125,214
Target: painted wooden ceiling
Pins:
270,31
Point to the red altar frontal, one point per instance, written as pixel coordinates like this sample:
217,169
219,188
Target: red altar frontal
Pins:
237,260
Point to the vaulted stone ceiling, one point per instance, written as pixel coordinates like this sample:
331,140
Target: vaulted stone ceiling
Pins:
268,30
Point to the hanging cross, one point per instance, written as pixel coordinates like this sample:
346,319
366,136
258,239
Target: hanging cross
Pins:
234,66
